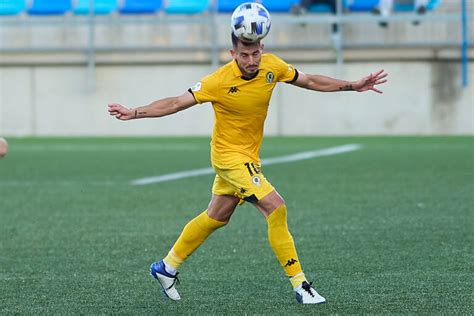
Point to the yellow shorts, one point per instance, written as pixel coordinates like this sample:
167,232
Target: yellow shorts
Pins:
244,180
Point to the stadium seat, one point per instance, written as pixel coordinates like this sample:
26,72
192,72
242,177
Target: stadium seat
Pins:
140,6
320,8
361,5
326,8
410,6
12,7
433,4
186,6
49,7
226,6
100,6
279,5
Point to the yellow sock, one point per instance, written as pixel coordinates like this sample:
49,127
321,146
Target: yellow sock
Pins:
193,235
283,246
297,280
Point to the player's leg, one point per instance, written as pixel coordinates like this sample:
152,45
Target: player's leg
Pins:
222,207
273,207
197,230
194,234
249,184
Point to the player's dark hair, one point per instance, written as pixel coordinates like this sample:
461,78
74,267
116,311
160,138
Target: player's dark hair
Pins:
236,40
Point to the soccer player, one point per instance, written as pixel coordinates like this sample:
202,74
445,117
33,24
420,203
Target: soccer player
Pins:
240,93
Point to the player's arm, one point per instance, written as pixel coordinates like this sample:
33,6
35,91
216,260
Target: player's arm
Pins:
328,84
157,108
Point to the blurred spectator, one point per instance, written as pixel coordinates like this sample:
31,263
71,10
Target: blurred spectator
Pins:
304,6
385,7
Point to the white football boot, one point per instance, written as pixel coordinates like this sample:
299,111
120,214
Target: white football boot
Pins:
167,281
305,294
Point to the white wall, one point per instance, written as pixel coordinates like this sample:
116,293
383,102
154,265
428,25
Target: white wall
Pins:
421,98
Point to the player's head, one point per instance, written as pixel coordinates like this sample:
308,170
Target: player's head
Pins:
247,55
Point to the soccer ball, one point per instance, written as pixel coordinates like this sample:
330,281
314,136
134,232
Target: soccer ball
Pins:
250,22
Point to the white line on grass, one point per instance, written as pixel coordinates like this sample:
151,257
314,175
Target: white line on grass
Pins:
266,162
56,183
104,147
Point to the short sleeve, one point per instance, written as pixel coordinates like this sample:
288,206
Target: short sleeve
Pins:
286,72
206,90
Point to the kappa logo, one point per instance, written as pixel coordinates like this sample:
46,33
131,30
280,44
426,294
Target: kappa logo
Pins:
233,90
291,262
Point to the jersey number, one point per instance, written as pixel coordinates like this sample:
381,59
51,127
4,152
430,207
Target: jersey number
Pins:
251,168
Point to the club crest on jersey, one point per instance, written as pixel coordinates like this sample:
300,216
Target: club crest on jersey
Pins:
256,180
270,76
196,87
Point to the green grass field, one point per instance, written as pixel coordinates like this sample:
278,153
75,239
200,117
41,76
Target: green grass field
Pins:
385,229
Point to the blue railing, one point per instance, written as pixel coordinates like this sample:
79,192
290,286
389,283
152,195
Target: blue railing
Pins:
55,7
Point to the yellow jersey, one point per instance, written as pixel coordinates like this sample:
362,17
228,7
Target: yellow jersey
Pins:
240,107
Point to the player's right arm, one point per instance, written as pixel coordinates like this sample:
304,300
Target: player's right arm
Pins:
157,108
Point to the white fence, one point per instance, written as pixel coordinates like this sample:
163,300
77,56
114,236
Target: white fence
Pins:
45,88
421,98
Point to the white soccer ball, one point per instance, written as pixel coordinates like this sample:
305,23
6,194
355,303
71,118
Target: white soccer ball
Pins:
250,22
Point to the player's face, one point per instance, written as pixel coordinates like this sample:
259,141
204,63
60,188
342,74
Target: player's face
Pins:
248,58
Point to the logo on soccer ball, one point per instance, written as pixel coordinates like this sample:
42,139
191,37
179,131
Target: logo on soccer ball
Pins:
250,22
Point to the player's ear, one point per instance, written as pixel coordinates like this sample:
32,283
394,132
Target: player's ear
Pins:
233,53
262,46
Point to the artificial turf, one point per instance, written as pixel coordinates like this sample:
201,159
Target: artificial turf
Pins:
384,229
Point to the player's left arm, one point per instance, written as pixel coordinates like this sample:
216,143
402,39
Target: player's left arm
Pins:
328,84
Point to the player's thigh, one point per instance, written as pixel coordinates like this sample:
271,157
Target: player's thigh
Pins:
223,202
246,180
222,207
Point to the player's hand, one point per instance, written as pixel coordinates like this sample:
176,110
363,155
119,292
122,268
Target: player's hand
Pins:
368,83
120,112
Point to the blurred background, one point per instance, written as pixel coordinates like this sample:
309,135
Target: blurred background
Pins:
63,61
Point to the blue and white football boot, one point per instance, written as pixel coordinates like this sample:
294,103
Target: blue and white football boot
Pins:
305,294
167,280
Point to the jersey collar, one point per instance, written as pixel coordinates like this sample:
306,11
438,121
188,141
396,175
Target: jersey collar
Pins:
236,69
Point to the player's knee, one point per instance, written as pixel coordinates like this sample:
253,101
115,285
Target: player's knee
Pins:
222,221
278,217
222,216
279,207
271,202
